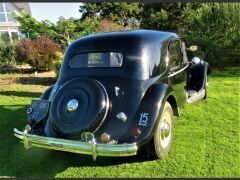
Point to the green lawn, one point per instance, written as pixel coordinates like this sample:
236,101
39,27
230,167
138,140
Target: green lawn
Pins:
206,139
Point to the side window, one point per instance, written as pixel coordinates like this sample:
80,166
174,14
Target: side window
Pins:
185,58
175,55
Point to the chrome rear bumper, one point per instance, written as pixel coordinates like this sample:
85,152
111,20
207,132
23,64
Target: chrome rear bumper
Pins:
93,148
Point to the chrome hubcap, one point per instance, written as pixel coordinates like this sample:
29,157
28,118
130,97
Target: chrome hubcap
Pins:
72,105
165,132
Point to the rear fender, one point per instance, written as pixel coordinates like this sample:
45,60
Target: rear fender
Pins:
150,110
46,93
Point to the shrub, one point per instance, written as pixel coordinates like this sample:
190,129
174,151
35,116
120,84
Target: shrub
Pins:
58,62
24,51
40,54
7,57
46,53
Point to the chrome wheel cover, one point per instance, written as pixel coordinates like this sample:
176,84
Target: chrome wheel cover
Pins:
165,130
72,105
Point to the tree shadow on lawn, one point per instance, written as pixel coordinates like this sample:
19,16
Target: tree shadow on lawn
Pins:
21,94
45,81
36,162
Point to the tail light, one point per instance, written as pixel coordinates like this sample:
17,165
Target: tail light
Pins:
136,132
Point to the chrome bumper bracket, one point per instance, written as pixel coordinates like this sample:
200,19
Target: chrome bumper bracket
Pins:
25,140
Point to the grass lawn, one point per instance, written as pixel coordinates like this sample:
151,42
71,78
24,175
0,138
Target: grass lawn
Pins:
206,139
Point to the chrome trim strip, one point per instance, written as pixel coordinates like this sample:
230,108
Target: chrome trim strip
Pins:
178,71
80,147
107,105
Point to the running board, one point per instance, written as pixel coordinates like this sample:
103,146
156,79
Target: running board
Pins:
195,97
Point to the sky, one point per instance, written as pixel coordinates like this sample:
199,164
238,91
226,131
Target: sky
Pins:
52,11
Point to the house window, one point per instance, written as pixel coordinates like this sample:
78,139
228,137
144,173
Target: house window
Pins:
2,17
9,12
2,13
1,7
8,33
15,36
10,18
6,12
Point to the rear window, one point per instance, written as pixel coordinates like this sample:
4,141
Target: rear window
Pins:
98,59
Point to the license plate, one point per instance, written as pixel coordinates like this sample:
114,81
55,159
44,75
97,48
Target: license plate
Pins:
38,110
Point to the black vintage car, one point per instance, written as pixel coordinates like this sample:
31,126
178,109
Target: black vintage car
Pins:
116,94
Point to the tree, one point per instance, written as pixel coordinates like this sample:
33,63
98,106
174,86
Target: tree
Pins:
89,10
107,26
30,27
166,16
34,29
215,28
47,28
65,31
125,14
86,26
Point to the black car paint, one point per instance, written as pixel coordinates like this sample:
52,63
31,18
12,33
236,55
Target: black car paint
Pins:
143,80
142,51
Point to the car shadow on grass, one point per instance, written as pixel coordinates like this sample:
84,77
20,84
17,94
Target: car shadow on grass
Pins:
38,162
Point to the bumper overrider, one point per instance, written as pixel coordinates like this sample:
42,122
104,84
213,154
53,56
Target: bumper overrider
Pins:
90,148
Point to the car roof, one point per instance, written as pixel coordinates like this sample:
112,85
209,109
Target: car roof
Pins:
128,42
142,51
141,34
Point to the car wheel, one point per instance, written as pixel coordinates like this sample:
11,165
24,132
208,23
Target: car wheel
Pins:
164,132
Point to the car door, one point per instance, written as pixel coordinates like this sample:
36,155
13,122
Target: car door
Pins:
177,70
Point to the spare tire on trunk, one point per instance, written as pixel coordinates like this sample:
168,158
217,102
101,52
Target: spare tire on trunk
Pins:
79,105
